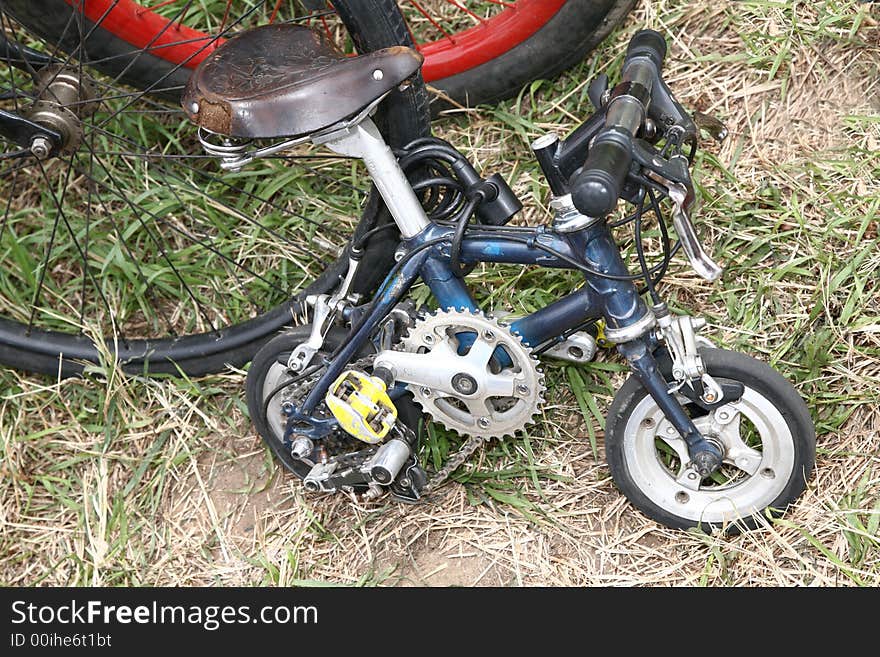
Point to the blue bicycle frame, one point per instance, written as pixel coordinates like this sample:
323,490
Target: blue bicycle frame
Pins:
609,294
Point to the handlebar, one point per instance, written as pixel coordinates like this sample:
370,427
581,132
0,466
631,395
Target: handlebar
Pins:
642,93
614,147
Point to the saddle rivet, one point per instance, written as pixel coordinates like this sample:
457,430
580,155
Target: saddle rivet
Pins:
194,107
378,74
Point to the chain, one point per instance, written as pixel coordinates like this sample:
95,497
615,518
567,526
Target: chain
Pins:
467,450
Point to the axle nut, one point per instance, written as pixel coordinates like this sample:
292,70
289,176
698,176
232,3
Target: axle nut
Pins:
41,147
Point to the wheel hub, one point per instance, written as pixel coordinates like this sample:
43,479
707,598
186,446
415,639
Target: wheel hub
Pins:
64,99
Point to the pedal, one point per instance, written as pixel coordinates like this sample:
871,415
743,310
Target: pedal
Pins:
361,405
601,339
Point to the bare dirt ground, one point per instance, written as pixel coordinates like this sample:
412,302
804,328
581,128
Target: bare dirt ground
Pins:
129,481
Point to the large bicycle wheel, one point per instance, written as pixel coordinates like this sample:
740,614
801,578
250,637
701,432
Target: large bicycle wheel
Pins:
476,51
129,243
485,51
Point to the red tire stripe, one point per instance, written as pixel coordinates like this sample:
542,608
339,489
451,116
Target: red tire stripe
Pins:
445,57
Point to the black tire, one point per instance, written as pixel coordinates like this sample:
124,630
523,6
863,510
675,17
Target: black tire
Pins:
373,24
576,29
267,359
796,446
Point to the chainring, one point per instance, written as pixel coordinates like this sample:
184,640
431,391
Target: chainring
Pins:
484,342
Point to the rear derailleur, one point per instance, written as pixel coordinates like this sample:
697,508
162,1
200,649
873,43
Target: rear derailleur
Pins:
356,409
392,465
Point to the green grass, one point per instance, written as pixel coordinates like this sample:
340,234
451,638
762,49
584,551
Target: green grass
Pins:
117,479
153,232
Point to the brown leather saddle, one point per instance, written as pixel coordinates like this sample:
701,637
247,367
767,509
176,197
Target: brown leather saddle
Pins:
286,80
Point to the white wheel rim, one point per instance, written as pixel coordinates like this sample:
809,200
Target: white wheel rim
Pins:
275,419
748,494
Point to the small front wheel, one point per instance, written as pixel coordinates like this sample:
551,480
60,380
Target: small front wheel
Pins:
767,437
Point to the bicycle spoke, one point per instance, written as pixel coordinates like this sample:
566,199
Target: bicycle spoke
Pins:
48,253
137,95
57,46
12,155
431,20
140,273
182,63
242,191
454,3
183,13
90,177
226,260
202,242
16,167
226,31
81,41
169,245
274,10
137,213
146,48
10,68
45,266
8,204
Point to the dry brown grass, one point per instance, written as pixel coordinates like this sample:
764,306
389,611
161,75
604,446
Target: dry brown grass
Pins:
121,480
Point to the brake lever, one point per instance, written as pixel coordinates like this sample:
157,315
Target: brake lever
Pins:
673,174
597,90
682,200
675,169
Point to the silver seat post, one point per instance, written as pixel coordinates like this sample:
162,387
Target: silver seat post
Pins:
364,141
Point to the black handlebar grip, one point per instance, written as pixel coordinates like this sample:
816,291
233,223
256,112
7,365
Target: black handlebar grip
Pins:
595,191
648,43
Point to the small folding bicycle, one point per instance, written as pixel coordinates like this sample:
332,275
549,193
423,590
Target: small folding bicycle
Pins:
697,436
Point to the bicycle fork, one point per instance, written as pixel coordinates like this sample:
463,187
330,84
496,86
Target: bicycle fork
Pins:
628,323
